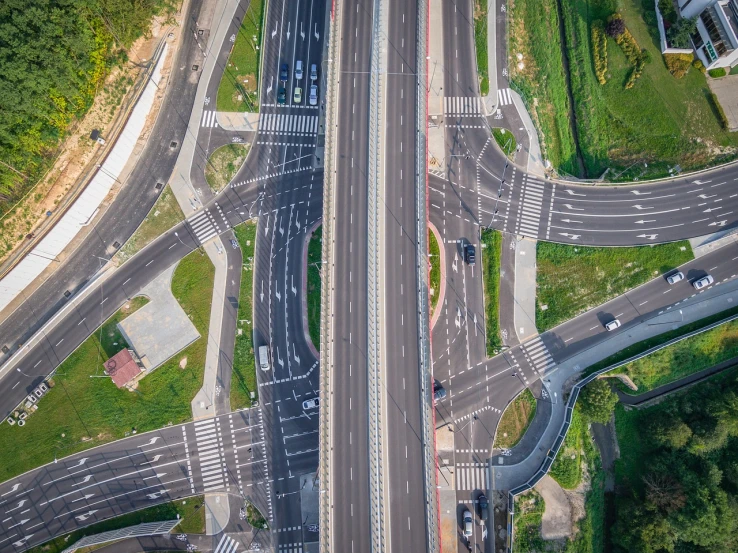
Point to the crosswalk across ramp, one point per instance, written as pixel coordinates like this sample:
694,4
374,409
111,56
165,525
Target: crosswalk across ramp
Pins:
226,545
210,453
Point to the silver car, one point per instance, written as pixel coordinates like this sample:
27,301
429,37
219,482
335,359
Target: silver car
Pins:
467,523
676,277
703,282
612,325
314,95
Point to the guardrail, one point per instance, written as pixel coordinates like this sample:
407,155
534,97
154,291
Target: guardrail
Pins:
326,312
421,238
551,455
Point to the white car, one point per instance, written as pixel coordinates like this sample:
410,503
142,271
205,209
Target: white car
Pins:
311,403
297,96
704,281
313,72
298,70
676,277
612,325
467,523
314,95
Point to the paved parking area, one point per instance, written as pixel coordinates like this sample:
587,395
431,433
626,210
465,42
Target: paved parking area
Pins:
726,89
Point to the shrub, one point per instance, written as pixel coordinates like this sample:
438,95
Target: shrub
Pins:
680,34
719,111
599,51
615,26
678,64
697,64
666,7
635,55
718,72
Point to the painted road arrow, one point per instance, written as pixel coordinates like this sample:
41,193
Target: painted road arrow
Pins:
156,494
22,540
85,516
572,236
570,221
639,206
152,441
572,193
642,221
87,496
20,504
13,489
719,223
81,462
706,197
639,193
711,209
649,236
572,208
87,479
701,181
154,460
22,522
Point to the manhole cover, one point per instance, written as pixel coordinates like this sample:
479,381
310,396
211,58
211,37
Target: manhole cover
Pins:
159,185
67,293
195,67
6,349
116,244
173,144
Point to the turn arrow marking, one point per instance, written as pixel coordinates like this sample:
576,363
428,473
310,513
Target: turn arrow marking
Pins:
22,540
87,479
642,221
649,236
13,489
85,516
572,208
570,221
20,504
572,236
639,206
87,496
639,193
22,522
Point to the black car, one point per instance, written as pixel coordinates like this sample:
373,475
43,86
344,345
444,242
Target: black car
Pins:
281,95
234,244
283,72
483,506
439,392
470,254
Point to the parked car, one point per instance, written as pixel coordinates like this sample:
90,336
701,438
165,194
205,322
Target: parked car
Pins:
704,281
298,70
612,325
483,506
297,97
281,95
313,72
676,277
313,95
234,244
284,72
313,403
467,523
470,254
439,392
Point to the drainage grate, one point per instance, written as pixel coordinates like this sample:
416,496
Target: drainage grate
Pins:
6,349
173,144
116,244
159,185
195,67
67,293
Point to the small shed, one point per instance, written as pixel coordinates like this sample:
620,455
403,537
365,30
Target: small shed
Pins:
123,367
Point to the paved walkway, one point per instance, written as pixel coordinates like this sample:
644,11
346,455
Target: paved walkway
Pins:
525,289
726,90
556,520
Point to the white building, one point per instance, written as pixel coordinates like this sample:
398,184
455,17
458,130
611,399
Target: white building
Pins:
716,40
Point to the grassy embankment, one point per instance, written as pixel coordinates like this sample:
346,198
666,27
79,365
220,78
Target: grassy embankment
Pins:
80,412
505,140
515,420
315,256
434,278
480,41
491,250
224,163
574,279
239,86
243,381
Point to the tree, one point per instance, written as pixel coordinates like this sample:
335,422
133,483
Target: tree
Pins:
597,401
680,35
668,430
615,27
664,491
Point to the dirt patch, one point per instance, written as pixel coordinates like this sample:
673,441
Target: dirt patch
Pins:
577,498
224,163
183,363
556,522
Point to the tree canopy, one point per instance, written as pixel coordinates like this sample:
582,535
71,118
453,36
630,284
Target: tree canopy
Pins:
597,400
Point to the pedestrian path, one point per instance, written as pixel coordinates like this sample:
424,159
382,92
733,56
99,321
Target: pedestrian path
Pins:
209,119
469,106
504,98
210,453
208,223
289,124
226,545
529,209
538,356
472,476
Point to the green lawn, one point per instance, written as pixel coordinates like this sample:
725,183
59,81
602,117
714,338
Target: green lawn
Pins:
534,33
644,345
164,215
505,140
314,268
529,509
480,40
515,420
223,165
190,511
574,279
684,358
80,412
491,251
239,86
661,121
434,259
243,381
567,468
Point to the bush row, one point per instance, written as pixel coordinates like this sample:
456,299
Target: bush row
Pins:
599,51
678,64
632,51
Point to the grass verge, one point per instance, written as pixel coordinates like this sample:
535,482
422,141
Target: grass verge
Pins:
505,140
567,468
574,279
243,381
529,509
492,250
255,518
480,40
683,358
314,258
644,345
80,412
239,86
224,163
434,260
515,420
190,510
164,215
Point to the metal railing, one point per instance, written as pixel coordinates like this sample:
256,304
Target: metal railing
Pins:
326,305
551,455
140,530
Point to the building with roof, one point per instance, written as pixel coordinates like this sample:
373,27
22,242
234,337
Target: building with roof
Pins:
123,367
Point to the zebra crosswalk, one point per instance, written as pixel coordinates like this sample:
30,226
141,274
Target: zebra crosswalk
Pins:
472,476
205,225
226,545
469,106
284,123
504,98
290,548
210,452
529,209
538,355
209,119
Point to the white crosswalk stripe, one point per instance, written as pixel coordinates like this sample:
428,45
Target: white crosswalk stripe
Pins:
293,125
208,223
529,209
209,119
210,448
226,545
538,355
472,476
469,106
290,548
504,98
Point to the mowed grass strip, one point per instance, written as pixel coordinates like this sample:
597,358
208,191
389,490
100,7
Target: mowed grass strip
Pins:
505,140
80,412
480,41
243,381
490,252
567,467
314,272
574,279
515,420
239,86
224,163
683,358
192,521
165,214
434,277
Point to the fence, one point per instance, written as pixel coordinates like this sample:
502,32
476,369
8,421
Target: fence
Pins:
140,530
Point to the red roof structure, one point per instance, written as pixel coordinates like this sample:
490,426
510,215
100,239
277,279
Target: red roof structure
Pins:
122,368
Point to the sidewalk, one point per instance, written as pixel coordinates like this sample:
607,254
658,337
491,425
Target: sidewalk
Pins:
525,289
436,70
